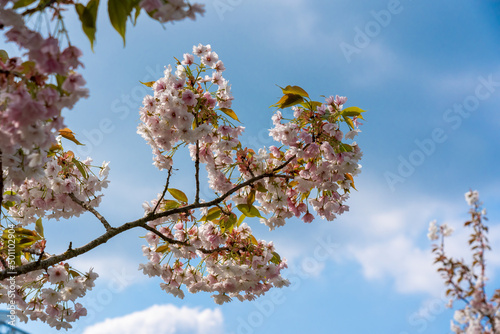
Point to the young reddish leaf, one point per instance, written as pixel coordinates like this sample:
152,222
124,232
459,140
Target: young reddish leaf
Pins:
294,90
68,134
178,195
311,105
230,113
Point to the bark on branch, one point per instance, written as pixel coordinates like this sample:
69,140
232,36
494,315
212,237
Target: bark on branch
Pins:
142,222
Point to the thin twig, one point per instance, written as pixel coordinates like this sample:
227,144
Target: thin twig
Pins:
164,190
92,210
183,243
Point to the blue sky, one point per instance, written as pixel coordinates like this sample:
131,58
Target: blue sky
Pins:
429,75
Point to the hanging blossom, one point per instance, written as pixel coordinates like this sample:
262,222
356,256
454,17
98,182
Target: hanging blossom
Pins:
310,171
467,283
33,91
39,179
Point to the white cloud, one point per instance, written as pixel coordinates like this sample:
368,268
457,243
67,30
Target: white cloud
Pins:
163,319
386,234
399,258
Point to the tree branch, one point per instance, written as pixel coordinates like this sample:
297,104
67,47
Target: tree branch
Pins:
92,210
142,222
183,243
1,182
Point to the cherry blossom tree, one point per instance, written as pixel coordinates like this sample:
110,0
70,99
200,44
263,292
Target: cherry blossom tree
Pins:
194,244
467,282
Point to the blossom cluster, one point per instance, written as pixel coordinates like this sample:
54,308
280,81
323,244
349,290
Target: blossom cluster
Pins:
235,264
49,196
53,294
310,172
465,282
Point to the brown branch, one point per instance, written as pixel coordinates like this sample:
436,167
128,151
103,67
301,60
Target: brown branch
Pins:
221,198
183,243
164,190
92,210
113,231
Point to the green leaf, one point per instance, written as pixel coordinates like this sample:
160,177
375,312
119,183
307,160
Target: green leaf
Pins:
353,109
148,84
296,90
348,121
249,210
163,248
170,204
39,227
251,197
28,67
88,18
345,147
276,259
60,80
261,188
227,223
22,3
118,11
178,195
137,12
288,100
253,240
4,56
241,219
230,113
80,167
213,213
8,204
